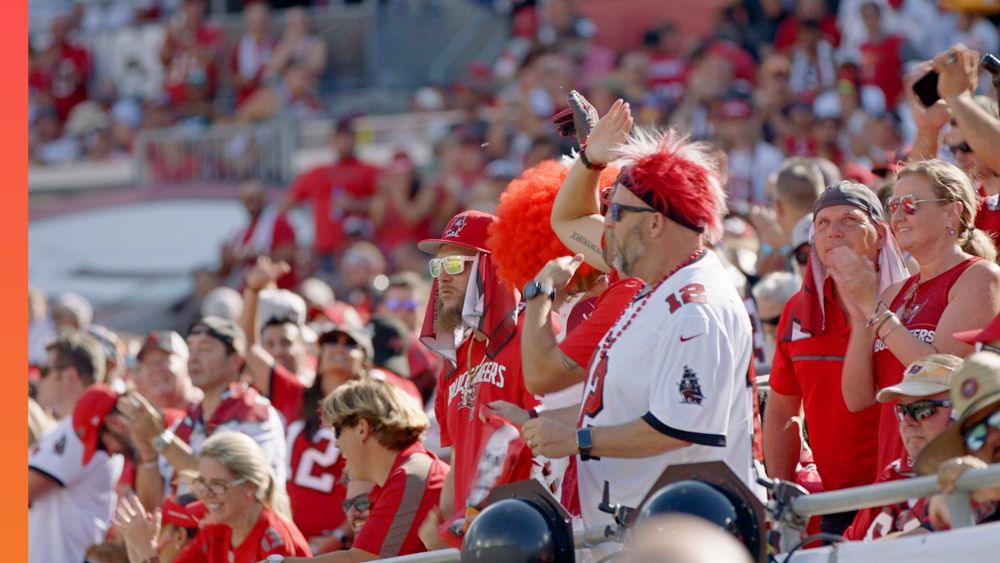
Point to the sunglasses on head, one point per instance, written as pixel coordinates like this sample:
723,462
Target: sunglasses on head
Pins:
451,265
617,208
908,203
360,502
920,410
961,147
980,346
975,435
394,304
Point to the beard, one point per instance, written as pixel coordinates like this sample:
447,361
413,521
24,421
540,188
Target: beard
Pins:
446,319
622,254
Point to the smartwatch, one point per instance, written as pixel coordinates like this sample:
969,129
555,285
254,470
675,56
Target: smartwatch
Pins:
585,442
533,289
161,442
275,558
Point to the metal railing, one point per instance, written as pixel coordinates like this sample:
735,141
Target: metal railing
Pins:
802,507
216,154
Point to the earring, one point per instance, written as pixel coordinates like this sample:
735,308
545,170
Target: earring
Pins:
951,231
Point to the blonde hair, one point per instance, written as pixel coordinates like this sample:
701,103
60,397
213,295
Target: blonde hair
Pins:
244,458
395,420
951,184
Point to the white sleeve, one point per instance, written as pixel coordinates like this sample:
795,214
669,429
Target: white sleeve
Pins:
691,398
58,455
270,436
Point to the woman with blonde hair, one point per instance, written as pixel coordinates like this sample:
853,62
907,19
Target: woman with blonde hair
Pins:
248,517
957,288
378,432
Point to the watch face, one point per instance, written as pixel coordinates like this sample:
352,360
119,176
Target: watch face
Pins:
531,290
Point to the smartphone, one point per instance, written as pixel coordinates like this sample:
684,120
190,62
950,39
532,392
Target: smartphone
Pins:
991,64
926,89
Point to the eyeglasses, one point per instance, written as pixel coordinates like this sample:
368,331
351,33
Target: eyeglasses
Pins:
361,503
961,147
452,265
393,304
975,435
617,208
909,203
801,255
216,487
920,410
980,346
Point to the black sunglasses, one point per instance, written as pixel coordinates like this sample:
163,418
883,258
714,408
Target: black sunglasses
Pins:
961,147
920,409
617,208
801,255
360,502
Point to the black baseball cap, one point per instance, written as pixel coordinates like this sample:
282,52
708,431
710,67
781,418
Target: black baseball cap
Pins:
358,335
391,339
853,194
224,330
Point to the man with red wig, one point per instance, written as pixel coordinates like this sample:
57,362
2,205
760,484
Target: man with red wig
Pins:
472,322
670,382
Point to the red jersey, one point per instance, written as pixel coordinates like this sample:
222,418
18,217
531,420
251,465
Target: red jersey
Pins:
185,61
988,214
881,65
405,385
314,486
879,521
477,380
581,343
286,393
249,59
328,188
844,444
65,79
271,535
278,232
399,506
919,307
787,35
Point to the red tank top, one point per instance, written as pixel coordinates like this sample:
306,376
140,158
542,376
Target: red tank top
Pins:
919,307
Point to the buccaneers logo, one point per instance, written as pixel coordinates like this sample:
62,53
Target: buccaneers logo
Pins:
690,388
455,227
593,403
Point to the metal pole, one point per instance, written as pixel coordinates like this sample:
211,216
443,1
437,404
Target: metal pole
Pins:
441,556
886,493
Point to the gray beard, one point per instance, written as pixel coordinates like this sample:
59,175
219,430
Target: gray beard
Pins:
446,319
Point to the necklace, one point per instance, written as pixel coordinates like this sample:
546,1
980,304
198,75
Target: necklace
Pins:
643,300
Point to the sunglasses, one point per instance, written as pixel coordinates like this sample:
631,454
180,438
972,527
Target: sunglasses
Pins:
980,346
920,410
344,341
961,147
975,435
617,208
201,487
394,304
452,265
908,203
360,502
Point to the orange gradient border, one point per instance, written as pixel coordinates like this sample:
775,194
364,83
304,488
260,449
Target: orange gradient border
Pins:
13,282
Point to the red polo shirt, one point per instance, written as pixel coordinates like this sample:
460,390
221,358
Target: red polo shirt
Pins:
399,507
327,189
844,444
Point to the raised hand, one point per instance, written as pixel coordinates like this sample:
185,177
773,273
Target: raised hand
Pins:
610,133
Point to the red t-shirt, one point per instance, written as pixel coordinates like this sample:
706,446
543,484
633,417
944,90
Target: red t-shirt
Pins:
65,80
282,234
460,396
399,507
286,393
315,486
405,385
787,35
881,65
271,535
879,521
326,187
919,311
581,343
988,214
183,61
844,444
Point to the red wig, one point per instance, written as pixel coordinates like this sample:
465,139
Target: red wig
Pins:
677,177
521,239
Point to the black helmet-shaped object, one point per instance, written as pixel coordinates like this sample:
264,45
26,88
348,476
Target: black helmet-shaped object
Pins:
516,530
710,502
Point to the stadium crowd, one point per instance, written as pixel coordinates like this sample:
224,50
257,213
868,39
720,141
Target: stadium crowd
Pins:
574,294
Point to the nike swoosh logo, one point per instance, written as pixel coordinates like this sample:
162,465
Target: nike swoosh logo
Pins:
689,338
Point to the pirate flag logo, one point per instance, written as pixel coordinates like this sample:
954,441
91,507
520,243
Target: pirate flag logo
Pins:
690,388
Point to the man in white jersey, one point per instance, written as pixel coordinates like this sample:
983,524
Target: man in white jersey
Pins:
671,382
72,473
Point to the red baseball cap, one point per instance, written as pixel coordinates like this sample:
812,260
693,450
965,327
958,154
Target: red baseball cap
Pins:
91,410
183,515
991,332
469,229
